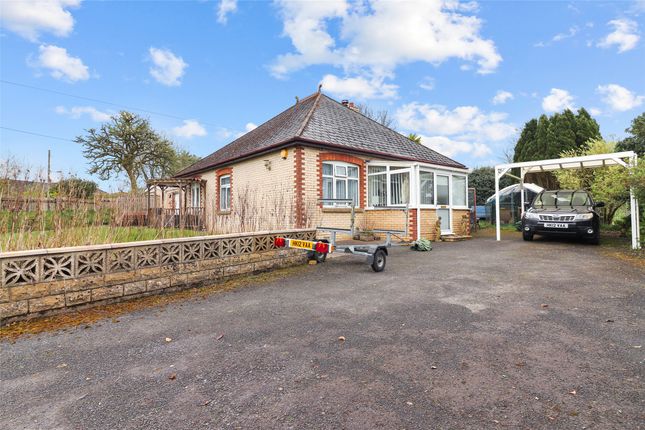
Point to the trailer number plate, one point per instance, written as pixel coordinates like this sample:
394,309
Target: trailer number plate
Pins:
301,244
555,225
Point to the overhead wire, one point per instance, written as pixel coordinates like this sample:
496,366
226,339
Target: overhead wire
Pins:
95,100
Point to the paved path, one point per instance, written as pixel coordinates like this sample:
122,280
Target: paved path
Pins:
453,338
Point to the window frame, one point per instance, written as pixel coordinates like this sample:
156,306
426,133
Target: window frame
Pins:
220,194
452,188
196,195
415,170
434,188
398,169
335,176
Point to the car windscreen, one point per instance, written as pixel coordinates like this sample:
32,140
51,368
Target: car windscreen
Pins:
562,198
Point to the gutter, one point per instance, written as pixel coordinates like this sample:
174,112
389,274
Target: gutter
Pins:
418,199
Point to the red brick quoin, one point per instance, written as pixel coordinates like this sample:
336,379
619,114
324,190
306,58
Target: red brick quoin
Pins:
218,174
334,156
299,189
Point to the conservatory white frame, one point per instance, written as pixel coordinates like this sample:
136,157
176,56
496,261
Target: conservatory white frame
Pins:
414,170
625,159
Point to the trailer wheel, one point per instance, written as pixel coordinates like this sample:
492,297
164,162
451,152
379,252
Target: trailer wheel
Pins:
318,256
378,264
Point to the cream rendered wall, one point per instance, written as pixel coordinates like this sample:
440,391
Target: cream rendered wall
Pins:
261,196
270,199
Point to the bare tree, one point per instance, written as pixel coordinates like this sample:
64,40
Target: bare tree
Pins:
127,144
383,117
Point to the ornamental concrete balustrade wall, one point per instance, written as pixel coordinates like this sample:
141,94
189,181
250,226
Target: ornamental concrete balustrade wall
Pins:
47,281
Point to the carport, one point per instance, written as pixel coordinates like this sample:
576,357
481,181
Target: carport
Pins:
625,159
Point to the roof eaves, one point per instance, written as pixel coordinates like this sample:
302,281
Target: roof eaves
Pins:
317,143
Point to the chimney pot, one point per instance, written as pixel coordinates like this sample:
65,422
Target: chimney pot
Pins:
344,102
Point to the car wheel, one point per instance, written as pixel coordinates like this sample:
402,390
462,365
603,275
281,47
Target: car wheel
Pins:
594,240
528,236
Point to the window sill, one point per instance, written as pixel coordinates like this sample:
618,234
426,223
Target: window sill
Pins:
228,212
341,210
389,208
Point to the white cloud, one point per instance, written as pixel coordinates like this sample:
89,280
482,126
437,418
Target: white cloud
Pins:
248,127
625,35
358,87
451,148
571,32
61,65
638,7
427,83
377,36
464,129
619,98
557,100
225,8
190,129
224,133
595,111
502,97
168,68
76,112
30,18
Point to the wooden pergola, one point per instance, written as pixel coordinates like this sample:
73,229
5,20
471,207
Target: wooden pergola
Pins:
185,211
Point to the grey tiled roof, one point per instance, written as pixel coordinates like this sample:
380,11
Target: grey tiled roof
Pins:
323,121
334,123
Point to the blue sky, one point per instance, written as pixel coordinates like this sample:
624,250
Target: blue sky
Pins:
463,75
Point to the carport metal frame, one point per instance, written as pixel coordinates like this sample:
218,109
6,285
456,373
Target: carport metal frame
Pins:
627,159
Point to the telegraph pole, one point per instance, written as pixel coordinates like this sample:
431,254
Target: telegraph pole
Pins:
49,174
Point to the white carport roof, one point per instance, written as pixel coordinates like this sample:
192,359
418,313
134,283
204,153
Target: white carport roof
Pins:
624,159
515,188
585,161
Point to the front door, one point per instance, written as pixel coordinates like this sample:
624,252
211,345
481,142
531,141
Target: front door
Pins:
444,214
443,203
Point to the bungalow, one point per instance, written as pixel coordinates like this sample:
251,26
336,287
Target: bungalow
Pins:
286,172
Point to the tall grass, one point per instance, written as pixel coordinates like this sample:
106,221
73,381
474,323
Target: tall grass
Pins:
32,216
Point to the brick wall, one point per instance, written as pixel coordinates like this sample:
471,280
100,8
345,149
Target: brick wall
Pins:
50,281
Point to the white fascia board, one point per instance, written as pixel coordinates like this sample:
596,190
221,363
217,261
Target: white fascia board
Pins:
570,162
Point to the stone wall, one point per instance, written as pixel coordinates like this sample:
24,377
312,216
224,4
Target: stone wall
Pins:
48,281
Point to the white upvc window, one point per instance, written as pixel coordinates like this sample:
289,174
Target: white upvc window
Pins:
459,191
443,189
340,181
225,192
195,195
426,188
388,186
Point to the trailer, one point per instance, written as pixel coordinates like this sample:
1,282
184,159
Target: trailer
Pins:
376,254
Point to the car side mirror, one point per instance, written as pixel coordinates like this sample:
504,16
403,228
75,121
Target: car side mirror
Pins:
599,205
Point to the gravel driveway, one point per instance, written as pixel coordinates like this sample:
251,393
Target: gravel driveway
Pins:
466,336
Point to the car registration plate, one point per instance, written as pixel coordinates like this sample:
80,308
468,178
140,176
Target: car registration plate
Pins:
301,244
556,225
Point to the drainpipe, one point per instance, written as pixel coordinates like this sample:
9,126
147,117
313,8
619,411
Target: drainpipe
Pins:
418,196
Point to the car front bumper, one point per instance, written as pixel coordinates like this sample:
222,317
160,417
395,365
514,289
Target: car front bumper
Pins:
579,228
